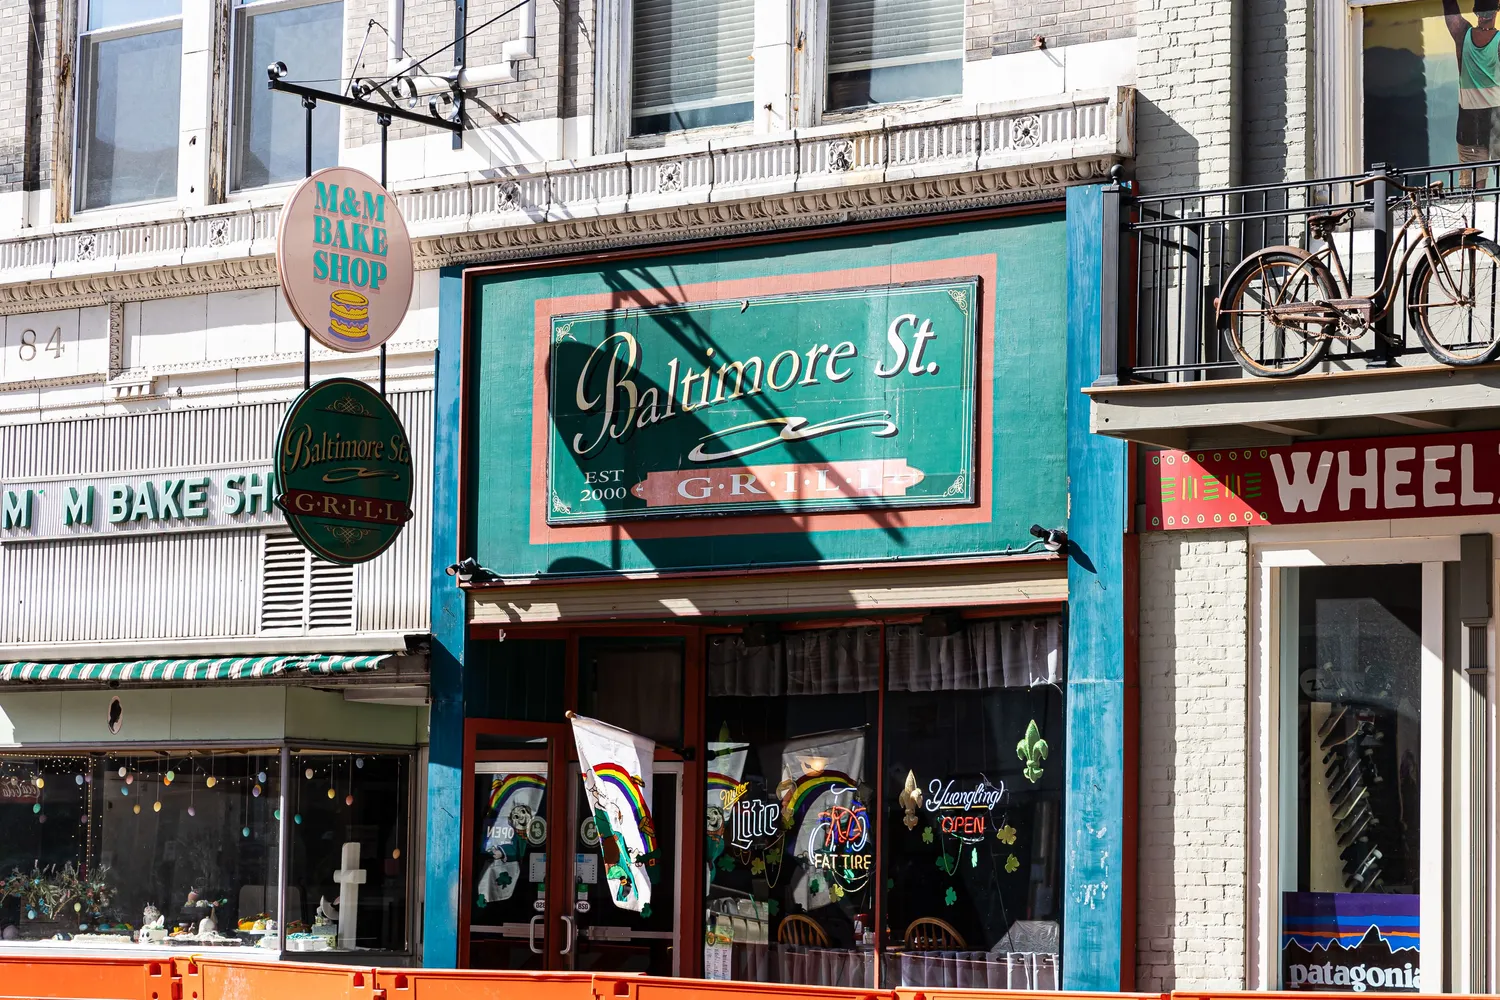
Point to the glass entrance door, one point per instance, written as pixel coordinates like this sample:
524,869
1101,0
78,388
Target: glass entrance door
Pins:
513,817
601,937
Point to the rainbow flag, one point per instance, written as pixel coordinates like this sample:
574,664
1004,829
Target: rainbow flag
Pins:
617,778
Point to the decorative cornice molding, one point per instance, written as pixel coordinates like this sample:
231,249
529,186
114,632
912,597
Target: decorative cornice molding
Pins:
869,170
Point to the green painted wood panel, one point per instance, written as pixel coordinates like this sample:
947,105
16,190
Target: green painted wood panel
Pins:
1019,397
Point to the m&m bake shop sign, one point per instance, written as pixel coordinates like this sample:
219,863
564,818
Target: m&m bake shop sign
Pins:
1423,475
345,259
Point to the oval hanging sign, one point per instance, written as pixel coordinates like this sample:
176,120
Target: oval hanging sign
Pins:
345,259
343,463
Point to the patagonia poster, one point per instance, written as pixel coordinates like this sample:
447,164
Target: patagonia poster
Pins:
1350,942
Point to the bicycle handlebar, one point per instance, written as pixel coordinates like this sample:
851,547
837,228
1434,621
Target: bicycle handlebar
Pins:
1434,188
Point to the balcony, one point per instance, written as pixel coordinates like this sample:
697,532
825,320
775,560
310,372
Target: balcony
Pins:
1170,377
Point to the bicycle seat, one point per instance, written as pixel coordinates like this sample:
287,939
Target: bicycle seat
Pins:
1325,221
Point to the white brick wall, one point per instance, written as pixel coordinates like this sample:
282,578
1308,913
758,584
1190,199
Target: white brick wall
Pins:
1194,715
1186,123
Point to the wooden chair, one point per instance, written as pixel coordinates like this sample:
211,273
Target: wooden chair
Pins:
932,934
801,930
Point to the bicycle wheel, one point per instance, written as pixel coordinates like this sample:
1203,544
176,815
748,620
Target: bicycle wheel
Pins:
1262,342
1454,306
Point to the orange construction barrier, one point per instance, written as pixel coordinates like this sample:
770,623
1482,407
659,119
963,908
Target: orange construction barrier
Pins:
65,977
476,984
208,977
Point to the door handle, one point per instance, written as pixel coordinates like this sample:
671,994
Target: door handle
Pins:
572,932
531,934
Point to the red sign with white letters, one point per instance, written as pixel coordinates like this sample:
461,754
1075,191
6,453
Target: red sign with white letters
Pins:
1425,475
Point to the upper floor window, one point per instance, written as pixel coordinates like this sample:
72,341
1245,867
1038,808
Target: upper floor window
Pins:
130,52
894,50
691,64
269,137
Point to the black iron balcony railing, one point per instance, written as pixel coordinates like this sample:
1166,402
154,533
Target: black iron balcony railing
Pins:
1176,251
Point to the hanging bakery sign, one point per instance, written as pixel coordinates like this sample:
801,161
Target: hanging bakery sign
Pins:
345,259
343,462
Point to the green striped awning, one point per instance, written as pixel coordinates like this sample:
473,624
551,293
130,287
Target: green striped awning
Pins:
225,668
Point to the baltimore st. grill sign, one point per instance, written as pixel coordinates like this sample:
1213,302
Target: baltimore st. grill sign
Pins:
344,465
829,400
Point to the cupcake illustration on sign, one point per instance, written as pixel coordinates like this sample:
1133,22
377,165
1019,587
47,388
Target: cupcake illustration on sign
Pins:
345,259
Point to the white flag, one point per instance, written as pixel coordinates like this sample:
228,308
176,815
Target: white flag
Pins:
616,768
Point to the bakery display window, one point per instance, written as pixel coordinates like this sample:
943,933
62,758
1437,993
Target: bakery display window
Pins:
183,848
347,875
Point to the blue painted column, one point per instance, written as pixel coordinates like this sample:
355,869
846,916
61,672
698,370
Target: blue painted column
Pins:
1098,886
445,757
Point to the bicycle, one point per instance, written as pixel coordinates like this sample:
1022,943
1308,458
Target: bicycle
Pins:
1282,307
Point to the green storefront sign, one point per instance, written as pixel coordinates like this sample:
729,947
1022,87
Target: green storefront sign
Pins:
825,400
343,462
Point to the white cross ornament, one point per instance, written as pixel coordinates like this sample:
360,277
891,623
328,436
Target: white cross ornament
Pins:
349,877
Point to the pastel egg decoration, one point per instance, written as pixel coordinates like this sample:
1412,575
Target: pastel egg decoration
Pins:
36,808
277,815
42,818
78,779
396,854
41,782
359,762
308,773
156,807
192,811
348,800
330,793
297,818
124,790
129,779
30,914
123,771
210,781
136,808
245,832
255,791
77,907
171,777
261,777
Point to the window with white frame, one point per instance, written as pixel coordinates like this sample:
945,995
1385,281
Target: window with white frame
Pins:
881,51
269,138
691,64
130,92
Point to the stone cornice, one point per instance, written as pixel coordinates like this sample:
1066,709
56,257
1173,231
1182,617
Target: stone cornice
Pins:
879,168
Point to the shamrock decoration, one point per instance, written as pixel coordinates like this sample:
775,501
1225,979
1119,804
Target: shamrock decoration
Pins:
951,896
948,867
757,867
1006,834
926,834
773,907
1012,863
646,911
974,857
814,886
890,883
503,878
1033,750
836,890
725,863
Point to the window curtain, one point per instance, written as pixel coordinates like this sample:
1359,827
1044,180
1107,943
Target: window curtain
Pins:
691,54
997,653
870,34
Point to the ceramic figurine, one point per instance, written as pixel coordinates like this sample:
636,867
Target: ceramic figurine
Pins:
207,925
326,910
152,918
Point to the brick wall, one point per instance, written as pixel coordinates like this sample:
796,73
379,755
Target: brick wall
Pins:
28,37
578,58
1186,117
537,94
1194,716
1276,85
999,27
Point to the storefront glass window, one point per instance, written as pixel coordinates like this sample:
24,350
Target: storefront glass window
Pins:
1350,909
349,815
44,837
189,842
792,825
1430,83
182,849
973,805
